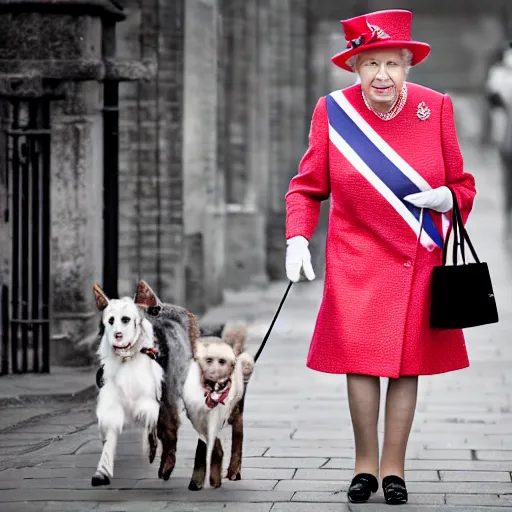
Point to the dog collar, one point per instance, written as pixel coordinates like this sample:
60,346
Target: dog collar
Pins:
151,352
214,393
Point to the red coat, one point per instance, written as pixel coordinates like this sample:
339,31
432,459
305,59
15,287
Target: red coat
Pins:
374,315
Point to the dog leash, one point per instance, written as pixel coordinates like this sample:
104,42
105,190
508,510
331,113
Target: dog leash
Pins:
263,343
153,354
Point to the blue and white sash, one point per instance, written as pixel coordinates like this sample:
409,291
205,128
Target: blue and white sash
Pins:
382,166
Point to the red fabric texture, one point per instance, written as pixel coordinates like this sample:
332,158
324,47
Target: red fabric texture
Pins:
374,315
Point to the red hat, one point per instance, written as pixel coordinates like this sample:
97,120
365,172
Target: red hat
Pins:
380,29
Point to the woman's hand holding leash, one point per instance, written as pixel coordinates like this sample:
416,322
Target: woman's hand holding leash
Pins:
298,257
438,199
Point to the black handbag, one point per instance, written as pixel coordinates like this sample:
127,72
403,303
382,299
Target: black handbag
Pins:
462,295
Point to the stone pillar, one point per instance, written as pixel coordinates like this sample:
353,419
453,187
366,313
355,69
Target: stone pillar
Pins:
299,81
260,156
76,213
288,128
170,18
204,212
246,112
278,79
5,253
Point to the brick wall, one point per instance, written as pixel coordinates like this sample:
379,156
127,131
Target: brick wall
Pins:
225,120
151,168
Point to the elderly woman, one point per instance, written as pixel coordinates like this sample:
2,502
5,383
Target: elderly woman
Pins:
386,153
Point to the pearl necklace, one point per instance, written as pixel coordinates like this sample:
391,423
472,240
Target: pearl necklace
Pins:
394,110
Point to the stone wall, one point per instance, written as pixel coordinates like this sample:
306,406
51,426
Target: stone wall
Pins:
207,146
5,238
151,142
229,148
172,212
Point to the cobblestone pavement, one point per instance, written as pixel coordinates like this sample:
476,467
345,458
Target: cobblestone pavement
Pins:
298,440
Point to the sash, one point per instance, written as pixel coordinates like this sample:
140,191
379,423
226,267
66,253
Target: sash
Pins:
382,166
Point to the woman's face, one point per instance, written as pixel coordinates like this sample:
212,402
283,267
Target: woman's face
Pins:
382,74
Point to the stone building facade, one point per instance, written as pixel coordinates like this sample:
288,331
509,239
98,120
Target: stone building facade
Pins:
52,70
212,123
208,146
215,100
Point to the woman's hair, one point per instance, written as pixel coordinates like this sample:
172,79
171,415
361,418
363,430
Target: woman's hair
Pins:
406,55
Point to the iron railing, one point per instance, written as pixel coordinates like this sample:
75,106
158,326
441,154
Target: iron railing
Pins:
26,127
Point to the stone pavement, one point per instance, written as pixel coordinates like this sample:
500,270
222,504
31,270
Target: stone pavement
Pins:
62,382
298,440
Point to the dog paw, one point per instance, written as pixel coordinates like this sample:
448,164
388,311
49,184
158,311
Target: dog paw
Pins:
215,483
167,463
194,486
152,449
233,475
98,480
165,473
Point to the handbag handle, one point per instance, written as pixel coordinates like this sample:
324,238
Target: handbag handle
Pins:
456,240
457,224
466,236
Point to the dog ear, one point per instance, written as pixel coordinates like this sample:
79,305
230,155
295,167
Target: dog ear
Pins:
101,298
145,296
235,335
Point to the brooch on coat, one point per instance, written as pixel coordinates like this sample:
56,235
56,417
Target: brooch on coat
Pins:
423,111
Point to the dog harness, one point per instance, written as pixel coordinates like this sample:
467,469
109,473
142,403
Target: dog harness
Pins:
150,352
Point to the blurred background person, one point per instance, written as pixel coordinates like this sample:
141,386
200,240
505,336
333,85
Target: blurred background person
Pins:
499,95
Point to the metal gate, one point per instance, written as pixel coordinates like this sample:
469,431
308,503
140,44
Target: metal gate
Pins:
26,143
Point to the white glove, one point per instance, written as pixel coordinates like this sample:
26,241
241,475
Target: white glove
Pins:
438,199
297,257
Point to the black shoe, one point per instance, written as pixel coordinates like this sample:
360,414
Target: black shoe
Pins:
361,487
395,492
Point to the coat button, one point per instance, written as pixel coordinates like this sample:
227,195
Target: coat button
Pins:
407,263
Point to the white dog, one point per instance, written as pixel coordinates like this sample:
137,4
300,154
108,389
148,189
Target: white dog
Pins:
132,378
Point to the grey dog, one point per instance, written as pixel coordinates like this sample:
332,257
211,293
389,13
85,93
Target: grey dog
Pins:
176,331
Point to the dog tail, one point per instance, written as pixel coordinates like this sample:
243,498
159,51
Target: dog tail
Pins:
235,335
